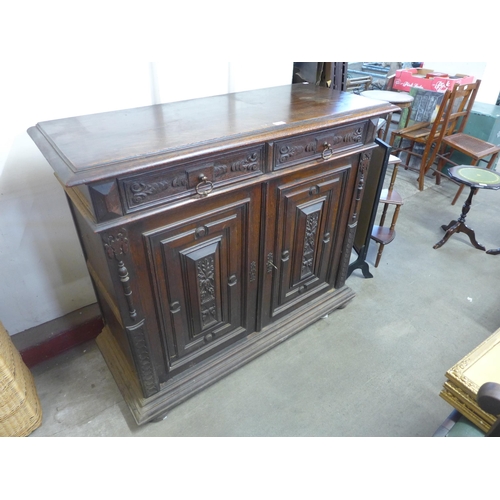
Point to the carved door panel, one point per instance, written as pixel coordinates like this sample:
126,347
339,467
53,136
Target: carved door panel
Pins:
204,272
304,242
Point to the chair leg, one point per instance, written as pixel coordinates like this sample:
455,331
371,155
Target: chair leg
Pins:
432,159
387,126
423,165
439,168
421,175
408,151
459,192
492,160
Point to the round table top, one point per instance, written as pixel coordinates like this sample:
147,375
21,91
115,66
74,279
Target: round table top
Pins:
479,177
388,95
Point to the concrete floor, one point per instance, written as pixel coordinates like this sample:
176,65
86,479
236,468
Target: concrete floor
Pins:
374,368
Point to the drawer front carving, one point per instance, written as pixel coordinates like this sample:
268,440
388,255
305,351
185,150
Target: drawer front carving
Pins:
204,272
320,145
170,184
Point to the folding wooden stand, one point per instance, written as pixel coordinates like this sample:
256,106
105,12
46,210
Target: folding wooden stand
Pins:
371,196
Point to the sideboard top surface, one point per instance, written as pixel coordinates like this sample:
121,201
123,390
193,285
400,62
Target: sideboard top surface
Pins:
88,148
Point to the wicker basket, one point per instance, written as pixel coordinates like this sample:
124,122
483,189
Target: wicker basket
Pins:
20,409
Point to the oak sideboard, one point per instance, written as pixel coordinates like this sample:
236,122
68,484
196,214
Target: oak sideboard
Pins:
213,229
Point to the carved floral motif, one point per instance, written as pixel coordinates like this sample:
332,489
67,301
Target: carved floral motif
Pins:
270,264
208,315
206,281
248,164
309,243
253,271
165,183
288,151
350,137
140,190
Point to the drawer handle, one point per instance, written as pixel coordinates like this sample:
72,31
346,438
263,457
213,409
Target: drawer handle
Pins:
175,307
327,151
205,186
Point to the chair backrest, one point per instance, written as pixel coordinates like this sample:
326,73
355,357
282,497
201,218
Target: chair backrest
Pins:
425,106
452,115
455,110
463,97
435,109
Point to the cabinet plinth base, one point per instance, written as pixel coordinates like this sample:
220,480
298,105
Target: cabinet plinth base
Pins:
186,384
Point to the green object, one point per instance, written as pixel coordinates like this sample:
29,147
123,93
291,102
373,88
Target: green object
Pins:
465,428
479,176
424,106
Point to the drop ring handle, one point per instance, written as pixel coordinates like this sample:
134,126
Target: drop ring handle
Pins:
327,151
205,186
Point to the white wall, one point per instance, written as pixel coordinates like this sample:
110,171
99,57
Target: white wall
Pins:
42,272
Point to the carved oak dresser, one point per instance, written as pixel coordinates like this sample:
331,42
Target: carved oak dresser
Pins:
213,229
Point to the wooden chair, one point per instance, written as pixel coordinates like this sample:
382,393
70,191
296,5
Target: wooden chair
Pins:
451,110
475,149
423,129
388,197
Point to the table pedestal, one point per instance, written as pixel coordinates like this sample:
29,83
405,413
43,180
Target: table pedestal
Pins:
476,178
460,226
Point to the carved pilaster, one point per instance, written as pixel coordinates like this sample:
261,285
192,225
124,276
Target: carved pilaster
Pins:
141,352
117,246
117,249
363,168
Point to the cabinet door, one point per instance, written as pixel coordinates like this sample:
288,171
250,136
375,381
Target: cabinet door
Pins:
203,271
304,240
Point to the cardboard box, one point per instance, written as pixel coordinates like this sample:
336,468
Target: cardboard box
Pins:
406,79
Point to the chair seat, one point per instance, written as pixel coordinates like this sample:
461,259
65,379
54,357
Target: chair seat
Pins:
421,133
471,145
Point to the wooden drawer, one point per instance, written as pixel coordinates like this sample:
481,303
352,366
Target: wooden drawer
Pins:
321,144
199,177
